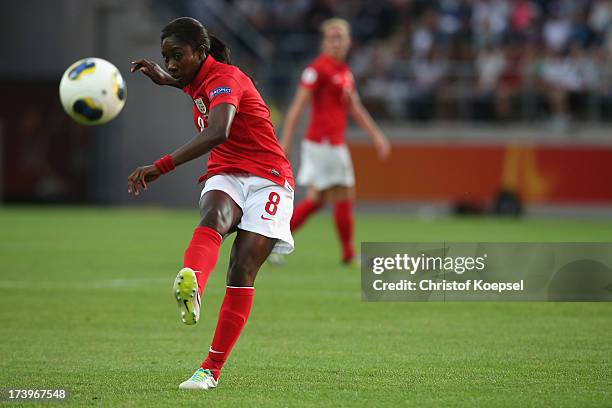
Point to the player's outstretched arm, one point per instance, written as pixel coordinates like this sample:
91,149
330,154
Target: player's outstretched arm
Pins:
219,124
155,72
302,97
364,120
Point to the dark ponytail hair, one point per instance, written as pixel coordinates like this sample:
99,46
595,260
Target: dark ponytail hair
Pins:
190,31
219,50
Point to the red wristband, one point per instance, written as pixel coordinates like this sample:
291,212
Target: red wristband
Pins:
165,164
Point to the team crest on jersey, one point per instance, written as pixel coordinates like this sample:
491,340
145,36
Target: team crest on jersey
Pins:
200,105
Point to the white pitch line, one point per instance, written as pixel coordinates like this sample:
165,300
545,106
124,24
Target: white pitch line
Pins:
95,284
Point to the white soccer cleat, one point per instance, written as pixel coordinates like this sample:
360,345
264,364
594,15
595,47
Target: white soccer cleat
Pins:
185,292
200,380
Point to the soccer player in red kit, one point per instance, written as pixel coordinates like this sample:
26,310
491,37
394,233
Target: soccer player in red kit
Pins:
248,187
326,167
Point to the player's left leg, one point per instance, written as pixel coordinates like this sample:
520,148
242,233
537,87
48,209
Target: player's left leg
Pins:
249,252
341,195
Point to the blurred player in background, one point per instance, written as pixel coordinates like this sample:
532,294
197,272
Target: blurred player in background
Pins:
249,184
326,167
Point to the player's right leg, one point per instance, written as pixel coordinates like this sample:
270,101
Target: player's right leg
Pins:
342,199
309,206
219,216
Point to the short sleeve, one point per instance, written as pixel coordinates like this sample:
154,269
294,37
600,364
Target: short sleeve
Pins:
224,89
310,78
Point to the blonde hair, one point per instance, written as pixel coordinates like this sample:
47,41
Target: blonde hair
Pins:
336,23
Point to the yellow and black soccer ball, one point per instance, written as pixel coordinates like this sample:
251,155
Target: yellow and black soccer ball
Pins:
92,91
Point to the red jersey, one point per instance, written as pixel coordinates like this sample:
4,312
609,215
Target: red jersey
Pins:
331,82
251,146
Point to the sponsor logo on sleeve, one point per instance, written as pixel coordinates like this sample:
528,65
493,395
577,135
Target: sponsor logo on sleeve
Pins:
218,91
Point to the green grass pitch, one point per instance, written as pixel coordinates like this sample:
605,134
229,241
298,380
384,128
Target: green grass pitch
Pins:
85,304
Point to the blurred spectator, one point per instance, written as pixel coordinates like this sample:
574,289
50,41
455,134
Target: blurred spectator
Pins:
511,82
425,33
490,64
452,15
600,17
522,20
429,72
557,29
605,83
490,20
570,79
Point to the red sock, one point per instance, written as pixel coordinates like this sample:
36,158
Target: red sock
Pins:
202,253
343,215
302,211
232,318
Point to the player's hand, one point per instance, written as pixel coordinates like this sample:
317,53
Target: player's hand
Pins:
140,177
153,71
383,148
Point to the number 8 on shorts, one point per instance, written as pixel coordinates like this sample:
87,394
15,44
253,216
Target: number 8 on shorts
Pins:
272,204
